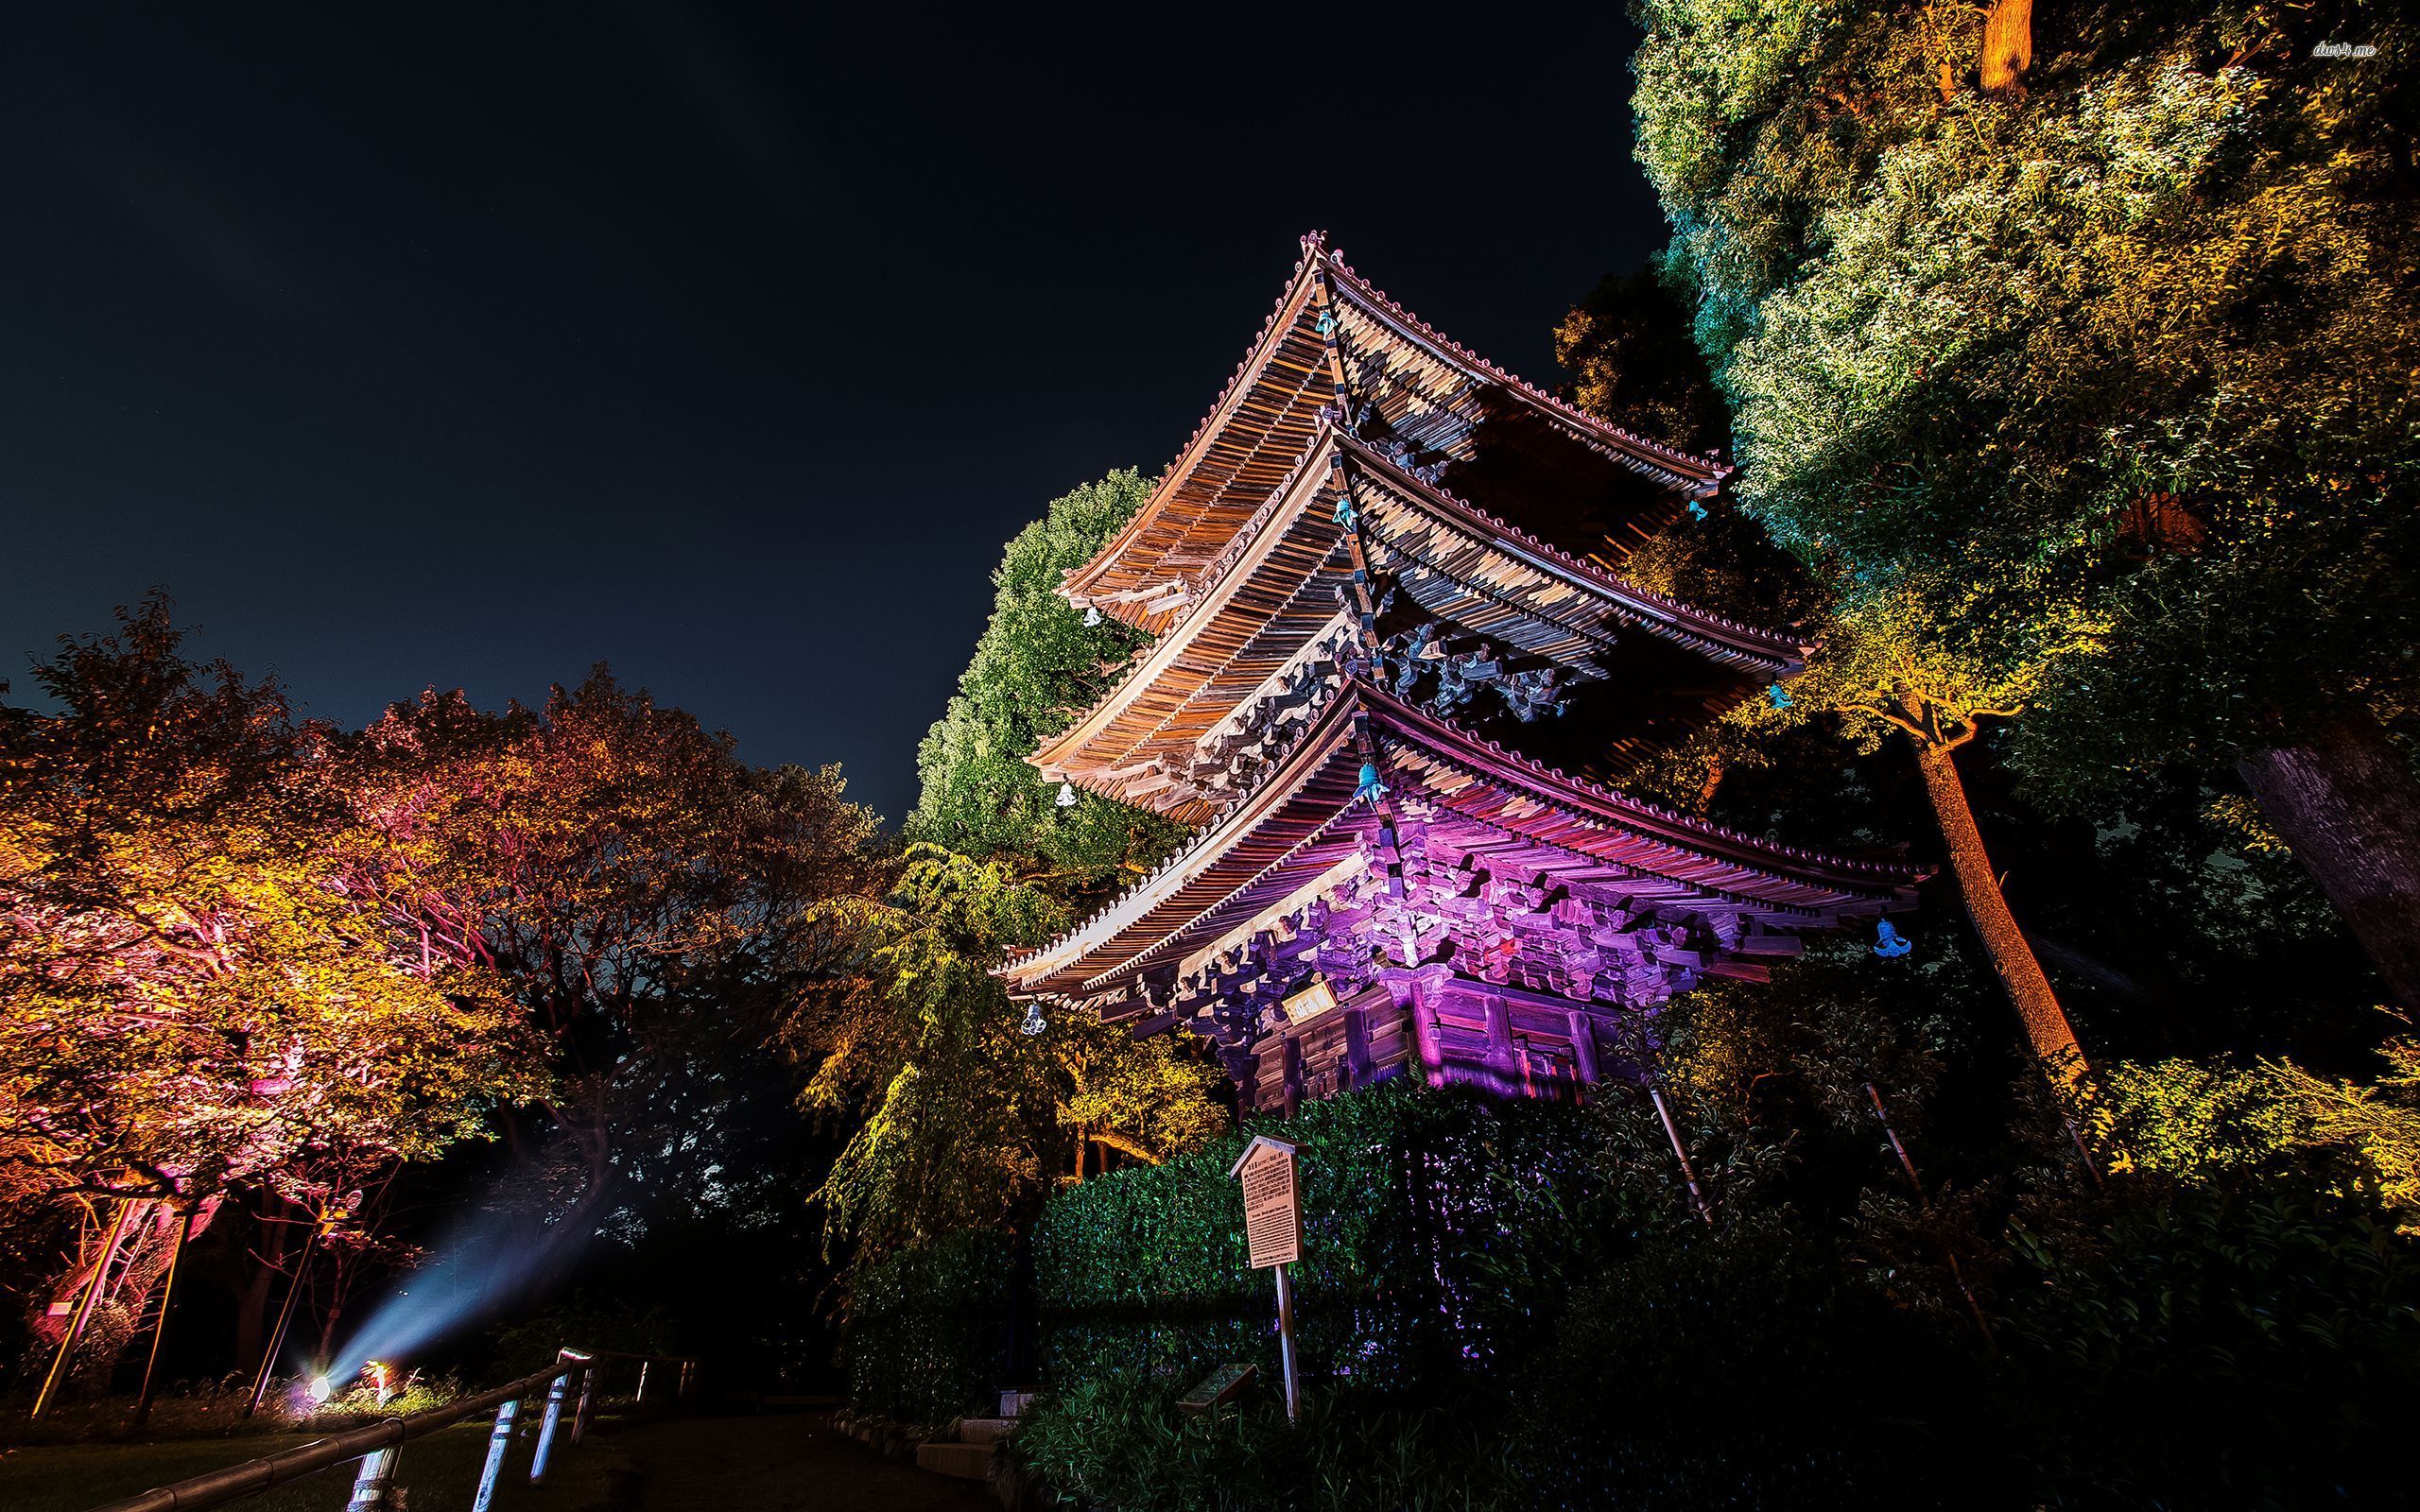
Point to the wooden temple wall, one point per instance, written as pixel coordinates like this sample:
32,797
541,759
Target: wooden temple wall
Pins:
1446,1029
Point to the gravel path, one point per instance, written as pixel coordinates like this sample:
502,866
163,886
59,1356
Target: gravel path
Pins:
781,1462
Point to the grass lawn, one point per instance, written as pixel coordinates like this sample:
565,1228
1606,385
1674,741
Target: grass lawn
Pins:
440,1470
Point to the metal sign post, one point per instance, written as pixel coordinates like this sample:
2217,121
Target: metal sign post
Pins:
1273,1235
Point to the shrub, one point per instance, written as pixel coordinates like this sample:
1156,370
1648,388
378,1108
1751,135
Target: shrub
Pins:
1414,1202
2244,1349
1116,1439
925,1334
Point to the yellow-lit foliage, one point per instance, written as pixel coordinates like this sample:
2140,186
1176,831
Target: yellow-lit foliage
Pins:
195,991
965,1115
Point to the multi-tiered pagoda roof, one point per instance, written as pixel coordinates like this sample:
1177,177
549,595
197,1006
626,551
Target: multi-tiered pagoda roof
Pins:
1391,640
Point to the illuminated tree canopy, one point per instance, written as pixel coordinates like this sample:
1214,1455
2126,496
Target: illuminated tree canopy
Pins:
2110,370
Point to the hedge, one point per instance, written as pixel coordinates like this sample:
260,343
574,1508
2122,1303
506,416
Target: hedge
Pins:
925,1334
1421,1209
1412,1199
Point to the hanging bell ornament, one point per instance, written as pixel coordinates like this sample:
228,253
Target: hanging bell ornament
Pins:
1066,795
1033,1022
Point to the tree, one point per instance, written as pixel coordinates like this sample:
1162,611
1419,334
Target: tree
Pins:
966,1102
1036,667
1883,664
196,995
1887,666
1627,349
637,889
963,1100
2131,341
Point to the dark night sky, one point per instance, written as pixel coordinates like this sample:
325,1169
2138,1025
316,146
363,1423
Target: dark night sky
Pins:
409,345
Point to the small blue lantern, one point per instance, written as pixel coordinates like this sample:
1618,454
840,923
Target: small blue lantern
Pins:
1371,789
1889,944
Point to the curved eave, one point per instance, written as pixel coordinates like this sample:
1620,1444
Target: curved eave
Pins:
1233,570
1281,320
1692,476
1699,477
1309,760
1771,654
1763,655
1082,960
1875,881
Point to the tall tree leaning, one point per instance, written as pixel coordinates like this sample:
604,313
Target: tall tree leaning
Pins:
1882,665
2112,367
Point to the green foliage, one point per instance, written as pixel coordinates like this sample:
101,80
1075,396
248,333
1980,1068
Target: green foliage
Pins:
2109,376
584,1320
199,987
1477,1264
2378,1124
1413,1199
959,1112
1117,1440
2220,1349
1036,667
1628,350
961,1115
927,1328
2194,1121
1742,1365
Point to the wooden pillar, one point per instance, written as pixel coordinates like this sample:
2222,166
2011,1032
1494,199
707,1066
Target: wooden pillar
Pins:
1583,1052
1290,1062
1499,1043
1357,1048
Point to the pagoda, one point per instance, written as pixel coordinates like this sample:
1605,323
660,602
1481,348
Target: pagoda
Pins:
1393,653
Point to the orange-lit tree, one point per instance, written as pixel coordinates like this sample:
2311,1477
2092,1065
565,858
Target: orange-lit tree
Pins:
195,995
648,900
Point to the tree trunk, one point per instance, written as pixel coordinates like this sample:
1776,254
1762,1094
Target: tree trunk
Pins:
251,1312
2347,805
2008,45
2020,974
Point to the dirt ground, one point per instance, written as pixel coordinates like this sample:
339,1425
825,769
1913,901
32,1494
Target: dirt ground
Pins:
785,1462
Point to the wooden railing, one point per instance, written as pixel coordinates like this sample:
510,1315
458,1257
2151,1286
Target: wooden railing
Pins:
379,1446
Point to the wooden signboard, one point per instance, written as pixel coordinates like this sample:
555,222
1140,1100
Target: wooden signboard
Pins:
1273,1234
1272,1213
1217,1388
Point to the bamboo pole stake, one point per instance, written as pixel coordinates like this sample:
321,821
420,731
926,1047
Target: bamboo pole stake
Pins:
284,1316
1924,1204
1286,1344
374,1484
555,1395
160,1329
1688,1172
499,1439
74,1333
